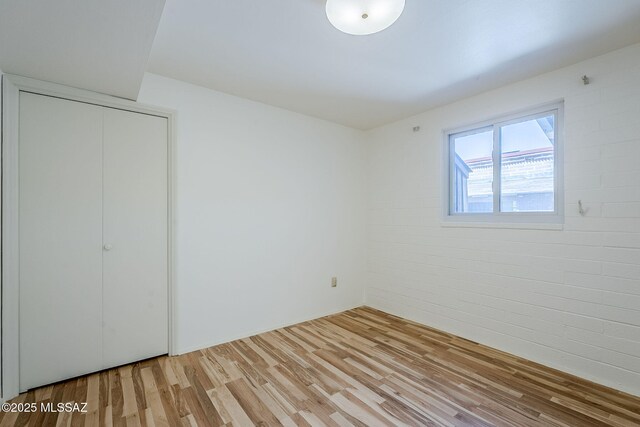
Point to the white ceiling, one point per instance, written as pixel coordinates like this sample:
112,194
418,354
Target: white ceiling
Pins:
100,45
286,53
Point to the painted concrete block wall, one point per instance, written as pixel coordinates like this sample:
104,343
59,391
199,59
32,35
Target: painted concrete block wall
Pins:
569,299
270,205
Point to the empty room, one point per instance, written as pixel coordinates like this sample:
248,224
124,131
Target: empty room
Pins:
320,213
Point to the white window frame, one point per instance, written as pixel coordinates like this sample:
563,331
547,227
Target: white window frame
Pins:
497,218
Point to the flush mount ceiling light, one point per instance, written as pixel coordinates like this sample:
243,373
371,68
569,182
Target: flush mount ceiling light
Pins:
361,17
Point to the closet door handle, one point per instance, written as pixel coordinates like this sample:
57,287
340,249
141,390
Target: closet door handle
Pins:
107,247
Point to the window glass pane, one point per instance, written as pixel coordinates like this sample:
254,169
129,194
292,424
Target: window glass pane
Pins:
527,158
472,174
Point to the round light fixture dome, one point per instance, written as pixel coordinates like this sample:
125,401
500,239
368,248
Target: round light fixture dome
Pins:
361,17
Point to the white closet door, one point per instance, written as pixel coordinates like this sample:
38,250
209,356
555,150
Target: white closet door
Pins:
135,314
60,165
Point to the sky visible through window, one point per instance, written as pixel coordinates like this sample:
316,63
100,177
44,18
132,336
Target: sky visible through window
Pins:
521,136
526,168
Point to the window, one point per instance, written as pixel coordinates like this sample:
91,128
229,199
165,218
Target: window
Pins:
507,170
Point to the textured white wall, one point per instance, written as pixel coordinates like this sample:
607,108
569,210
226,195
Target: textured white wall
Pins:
569,299
270,205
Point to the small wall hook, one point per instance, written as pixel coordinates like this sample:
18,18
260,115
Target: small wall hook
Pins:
585,79
416,128
581,210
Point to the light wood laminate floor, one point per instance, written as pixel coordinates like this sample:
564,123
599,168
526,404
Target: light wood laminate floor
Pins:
361,367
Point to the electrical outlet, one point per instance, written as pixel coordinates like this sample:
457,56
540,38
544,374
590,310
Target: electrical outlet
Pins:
334,282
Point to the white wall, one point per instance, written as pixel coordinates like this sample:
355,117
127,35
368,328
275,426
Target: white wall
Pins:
1,399
568,299
270,206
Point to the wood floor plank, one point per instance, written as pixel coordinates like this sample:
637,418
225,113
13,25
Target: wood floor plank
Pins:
257,410
357,368
232,406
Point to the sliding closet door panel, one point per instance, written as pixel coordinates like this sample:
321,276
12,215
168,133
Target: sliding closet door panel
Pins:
135,237
60,167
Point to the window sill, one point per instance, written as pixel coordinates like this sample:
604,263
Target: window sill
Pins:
509,225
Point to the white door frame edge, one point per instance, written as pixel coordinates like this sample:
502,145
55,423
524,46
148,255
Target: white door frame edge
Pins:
12,85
